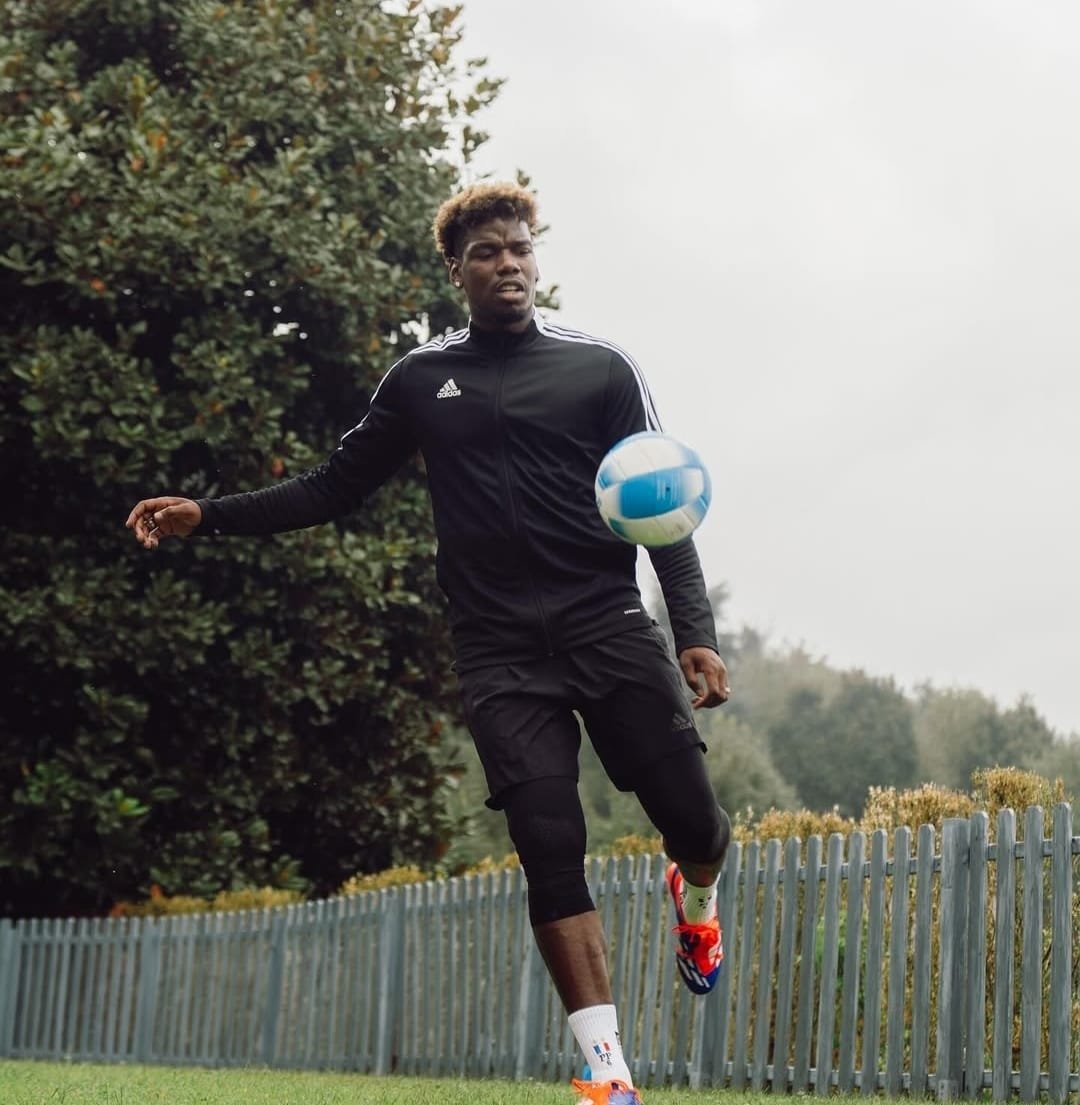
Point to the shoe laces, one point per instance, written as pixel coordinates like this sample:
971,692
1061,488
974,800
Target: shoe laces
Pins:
705,935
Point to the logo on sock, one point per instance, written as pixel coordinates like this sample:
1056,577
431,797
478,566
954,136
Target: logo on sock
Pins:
603,1053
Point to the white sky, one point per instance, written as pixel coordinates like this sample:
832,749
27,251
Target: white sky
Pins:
843,241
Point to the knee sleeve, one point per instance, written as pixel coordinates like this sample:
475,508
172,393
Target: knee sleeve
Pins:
547,826
678,799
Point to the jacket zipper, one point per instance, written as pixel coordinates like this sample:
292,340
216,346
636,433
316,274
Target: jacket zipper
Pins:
515,519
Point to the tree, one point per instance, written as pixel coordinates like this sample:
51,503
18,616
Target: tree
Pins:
959,730
1061,760
1028,739
741,770
214,235
763,679
833,752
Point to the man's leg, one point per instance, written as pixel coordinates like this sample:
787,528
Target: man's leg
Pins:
677,797
575,952
547,826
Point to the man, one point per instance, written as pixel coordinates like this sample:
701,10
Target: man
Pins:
513,416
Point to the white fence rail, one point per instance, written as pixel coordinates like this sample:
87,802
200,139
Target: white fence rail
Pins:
948,970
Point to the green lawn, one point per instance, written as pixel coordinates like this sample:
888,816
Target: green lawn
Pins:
29,1083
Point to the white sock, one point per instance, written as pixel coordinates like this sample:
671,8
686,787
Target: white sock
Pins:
698,902
596,1030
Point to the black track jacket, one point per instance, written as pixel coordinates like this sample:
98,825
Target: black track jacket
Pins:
512,428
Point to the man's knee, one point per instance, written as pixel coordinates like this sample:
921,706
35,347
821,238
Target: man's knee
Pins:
547,826
678,798
702,838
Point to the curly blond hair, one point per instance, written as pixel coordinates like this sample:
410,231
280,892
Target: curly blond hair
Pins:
480,203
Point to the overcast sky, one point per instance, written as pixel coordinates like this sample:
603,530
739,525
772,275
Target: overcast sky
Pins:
843,241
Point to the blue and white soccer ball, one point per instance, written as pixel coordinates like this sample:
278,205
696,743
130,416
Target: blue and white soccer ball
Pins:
652,490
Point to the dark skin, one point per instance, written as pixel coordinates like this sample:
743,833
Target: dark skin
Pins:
498,272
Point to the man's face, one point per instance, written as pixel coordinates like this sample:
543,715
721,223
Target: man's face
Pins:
497,269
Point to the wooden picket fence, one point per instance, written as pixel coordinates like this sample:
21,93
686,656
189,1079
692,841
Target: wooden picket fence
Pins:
946,969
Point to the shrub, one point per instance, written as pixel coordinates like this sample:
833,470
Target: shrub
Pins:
487,865
998,788
633,844
405,875
782,824
160,904
888,808
216,239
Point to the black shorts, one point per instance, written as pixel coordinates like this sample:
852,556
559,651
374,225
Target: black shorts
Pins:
628,690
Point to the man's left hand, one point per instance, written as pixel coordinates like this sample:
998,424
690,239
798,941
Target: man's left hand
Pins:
706,676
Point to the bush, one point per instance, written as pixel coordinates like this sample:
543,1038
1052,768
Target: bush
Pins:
216,241
160,904
783,824
929,804
998,788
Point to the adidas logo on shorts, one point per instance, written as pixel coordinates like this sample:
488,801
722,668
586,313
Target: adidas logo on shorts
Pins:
449,390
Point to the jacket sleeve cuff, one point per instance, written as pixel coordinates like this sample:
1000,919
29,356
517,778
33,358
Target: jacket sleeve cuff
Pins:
207,526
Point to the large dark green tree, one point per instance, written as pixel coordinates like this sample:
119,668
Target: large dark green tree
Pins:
213,234
832,751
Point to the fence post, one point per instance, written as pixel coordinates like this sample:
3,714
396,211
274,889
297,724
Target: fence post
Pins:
830,964
1031,955
1001,1059
529,1042
391,960
975,987
9,959
952,940
274,984
710,1048
1061,953
149,967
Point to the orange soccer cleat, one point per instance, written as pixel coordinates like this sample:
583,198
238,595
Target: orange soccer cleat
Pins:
606,1093
700,949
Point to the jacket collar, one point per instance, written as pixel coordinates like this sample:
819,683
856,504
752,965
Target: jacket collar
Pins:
503,340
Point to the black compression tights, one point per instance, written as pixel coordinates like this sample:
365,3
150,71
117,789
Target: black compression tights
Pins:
547,826
678,799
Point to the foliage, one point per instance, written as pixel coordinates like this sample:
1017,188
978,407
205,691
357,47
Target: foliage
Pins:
383,880
785,824
832,752
929,804
999,788
509,861
763,679
1060,760
959,731
610,814
635,845
159,904
480,831
215,233
887,808
742,773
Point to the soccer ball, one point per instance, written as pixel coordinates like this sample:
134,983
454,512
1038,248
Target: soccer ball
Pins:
652,490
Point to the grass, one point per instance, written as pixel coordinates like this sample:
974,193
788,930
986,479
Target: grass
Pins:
33,1083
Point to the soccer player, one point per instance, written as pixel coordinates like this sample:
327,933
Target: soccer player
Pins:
513,415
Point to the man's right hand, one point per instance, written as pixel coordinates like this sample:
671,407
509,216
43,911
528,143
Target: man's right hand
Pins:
165,516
